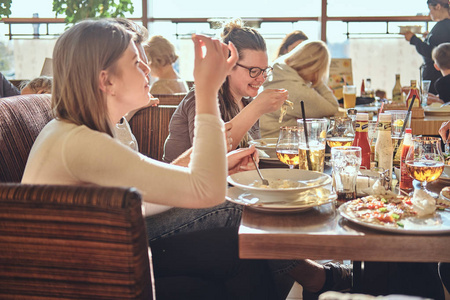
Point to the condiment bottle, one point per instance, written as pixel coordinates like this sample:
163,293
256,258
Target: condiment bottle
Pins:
406,181
362,139
383,147
368,90
397,90
413,91
363,89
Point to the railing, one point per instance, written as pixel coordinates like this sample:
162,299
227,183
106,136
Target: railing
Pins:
348,20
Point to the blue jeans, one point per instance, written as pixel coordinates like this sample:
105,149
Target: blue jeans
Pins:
184,220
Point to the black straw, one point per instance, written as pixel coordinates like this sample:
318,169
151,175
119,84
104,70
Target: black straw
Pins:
404,124
306,136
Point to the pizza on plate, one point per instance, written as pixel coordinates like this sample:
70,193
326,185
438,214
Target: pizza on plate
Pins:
381,210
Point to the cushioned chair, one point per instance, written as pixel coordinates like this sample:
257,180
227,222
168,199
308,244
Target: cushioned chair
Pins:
72,242
150,126
21,120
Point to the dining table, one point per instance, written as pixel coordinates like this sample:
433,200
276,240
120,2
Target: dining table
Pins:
321,233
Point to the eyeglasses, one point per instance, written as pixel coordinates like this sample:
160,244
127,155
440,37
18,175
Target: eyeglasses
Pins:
255,71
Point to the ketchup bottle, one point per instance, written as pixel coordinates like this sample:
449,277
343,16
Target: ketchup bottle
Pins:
406,181
362,139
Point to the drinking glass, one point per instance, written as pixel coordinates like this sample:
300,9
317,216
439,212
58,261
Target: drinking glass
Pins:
287,146
349,92
346,162
397,119
317,134
341,132
424,161
424,89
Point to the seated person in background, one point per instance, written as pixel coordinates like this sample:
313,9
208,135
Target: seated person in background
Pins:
7,89
235,96
290,41
303,72
38,85
161,55
441,57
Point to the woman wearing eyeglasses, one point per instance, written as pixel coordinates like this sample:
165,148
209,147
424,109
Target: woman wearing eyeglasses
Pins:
235,96
303,72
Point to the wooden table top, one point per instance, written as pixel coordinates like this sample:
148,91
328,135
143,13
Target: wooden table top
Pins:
429,125
321,233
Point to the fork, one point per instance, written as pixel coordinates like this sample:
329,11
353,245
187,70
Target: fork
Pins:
264,181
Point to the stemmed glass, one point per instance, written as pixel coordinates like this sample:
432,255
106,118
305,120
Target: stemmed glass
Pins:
340,133
425,161
287,146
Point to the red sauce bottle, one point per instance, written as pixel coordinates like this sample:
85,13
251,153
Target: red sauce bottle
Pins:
406,181
362,139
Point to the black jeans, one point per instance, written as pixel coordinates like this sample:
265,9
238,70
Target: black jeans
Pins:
205,265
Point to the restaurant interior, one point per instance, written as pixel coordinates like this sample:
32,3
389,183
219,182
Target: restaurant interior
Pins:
378,212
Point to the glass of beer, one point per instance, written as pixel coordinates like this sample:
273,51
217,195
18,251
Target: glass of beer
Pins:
315,148
424,161
349,92
341,132
287,146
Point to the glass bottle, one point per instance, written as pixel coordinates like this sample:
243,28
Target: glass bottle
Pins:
397,90
383,147
413,91
362,139
369,91
363,89
406,181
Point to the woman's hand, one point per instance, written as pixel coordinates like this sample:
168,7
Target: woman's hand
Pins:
444,131
228,138
433,99
241,160
270,100
212,63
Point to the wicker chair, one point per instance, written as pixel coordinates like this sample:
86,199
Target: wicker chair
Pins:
150,126
21,120
72,242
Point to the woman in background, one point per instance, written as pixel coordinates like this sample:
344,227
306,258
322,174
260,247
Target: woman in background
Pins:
161,57
38,85
440,33
303,72
290,41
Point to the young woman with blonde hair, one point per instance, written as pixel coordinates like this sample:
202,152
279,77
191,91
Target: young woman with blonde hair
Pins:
98,78
304,73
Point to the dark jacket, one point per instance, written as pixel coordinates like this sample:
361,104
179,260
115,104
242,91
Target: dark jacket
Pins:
442,87
439,34
7,88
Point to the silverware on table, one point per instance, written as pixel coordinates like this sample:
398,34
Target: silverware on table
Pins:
264,181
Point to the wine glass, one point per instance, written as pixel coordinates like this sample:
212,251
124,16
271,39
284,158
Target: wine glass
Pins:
341,132
287,146
424,161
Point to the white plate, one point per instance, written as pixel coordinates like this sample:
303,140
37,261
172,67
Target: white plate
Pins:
267,145
438,223
306,180
446,174
437,111
240,197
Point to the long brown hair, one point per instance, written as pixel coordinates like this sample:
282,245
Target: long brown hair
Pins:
244,38
80,54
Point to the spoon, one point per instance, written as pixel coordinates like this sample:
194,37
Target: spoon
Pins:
264,181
